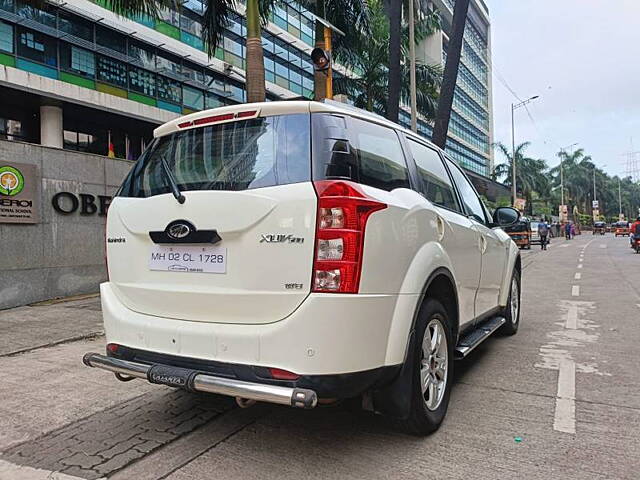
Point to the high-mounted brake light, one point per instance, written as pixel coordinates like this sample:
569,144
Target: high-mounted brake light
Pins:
343,211
218,118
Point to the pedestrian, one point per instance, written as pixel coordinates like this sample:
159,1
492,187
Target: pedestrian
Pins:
633,230
567,231
543,231
573,230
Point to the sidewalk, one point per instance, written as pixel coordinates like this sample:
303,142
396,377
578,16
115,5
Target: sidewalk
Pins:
47,323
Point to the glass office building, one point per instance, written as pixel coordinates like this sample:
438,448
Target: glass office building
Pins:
154,69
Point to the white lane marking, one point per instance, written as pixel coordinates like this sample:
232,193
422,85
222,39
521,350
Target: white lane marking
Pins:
572,316
579,265
565,245
565,416
575,291
577,276
603,246
10,471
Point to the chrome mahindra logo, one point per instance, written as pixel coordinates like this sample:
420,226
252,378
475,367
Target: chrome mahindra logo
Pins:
178,230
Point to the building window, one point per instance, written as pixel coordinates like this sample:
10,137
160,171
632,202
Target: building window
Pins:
45,17
112,71
142,55
78,141
164,64
77,60
11,129
170,16
142,81
169,90
6,37
107,38
193,98
75,26
190,23
38,47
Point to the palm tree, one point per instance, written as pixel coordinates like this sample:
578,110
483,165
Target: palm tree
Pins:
531,174
394,10
443,115
368,57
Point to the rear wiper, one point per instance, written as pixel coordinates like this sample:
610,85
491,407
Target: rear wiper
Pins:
171,180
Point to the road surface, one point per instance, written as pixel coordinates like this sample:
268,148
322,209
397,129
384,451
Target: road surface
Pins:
561,399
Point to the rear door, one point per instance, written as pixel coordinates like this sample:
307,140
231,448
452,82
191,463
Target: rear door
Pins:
458,237
240,248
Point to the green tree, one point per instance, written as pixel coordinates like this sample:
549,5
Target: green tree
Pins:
531,176
368,58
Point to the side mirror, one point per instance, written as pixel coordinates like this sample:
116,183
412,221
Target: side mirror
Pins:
505,216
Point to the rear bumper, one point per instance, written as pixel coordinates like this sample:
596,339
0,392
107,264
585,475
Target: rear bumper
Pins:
137,362
328,335
196,381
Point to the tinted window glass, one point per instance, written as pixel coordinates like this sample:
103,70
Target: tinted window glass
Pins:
435,179
380,157
472,203
36,46
240,155
112,71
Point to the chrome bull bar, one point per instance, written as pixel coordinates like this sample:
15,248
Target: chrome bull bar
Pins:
195,380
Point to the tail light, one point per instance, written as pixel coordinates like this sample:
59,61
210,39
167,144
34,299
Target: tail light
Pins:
343,211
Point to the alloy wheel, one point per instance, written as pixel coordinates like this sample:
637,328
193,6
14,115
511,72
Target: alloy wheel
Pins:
515,300
433,365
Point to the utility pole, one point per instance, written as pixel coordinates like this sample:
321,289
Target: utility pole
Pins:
619,201
412,68
514,107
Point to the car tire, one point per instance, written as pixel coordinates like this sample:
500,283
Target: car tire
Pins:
512,311
432,375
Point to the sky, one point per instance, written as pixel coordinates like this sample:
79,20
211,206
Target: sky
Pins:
583,58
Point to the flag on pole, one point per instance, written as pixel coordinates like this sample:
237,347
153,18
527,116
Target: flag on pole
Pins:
127,145
111,153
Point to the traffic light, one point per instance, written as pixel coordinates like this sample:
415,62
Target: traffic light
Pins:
321,59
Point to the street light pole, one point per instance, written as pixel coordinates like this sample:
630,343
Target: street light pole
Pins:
514,107
562,150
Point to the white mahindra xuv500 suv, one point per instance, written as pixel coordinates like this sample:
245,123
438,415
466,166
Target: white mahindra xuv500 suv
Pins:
293,251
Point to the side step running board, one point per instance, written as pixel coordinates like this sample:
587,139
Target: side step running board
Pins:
475,337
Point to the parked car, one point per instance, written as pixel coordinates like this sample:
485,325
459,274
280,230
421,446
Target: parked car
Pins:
293,251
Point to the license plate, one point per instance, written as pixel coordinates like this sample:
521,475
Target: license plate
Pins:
188,259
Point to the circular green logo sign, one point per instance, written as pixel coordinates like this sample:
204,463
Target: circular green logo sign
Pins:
11,181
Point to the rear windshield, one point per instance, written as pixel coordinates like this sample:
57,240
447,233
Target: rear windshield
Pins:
241,155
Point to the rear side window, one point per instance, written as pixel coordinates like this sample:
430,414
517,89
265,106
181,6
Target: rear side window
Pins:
472,203
259,152
436,184
354,149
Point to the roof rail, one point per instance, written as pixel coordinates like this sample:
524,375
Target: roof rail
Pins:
347,106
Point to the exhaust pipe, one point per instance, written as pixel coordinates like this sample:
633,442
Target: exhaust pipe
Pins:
194,380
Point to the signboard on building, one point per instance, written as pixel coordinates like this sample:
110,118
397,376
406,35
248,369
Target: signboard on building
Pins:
520,204
19,193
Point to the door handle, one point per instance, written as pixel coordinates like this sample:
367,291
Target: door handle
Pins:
440,227
482,243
